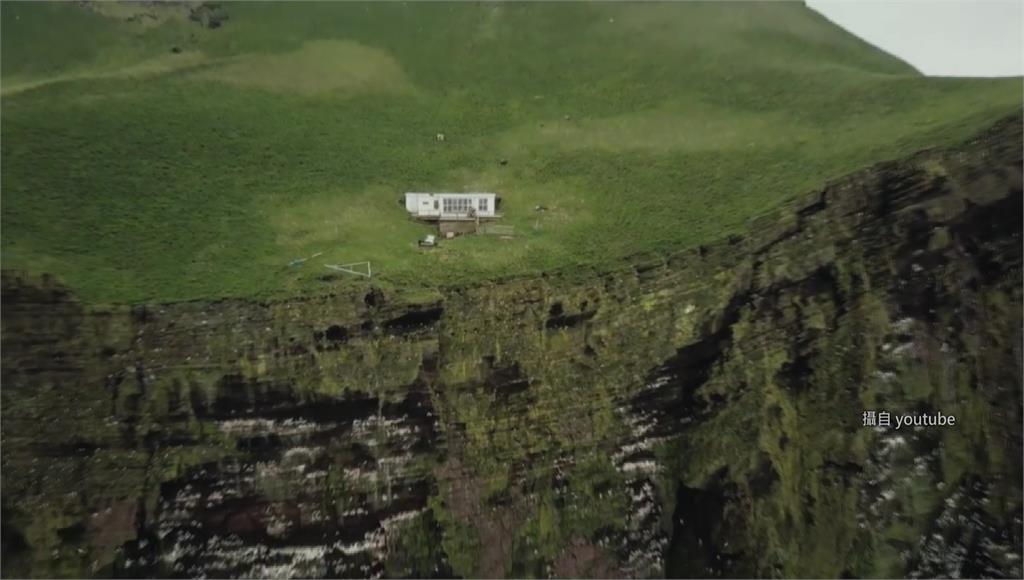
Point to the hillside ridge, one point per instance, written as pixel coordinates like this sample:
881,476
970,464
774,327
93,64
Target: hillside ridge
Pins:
181,162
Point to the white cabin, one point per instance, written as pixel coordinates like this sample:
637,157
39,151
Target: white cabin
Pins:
451,206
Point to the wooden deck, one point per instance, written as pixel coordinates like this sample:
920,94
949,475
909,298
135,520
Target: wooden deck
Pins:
457,218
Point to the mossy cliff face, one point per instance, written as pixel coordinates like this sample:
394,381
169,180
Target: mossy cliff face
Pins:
698,415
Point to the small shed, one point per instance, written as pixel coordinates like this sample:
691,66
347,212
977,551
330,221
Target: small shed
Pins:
452,206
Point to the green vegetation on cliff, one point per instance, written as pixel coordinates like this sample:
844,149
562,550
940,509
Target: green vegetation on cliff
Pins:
149,158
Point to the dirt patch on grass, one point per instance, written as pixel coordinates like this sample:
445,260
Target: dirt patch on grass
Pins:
146,14
319,66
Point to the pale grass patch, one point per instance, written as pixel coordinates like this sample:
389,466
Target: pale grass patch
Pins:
347,226
317,67
563,201
372,225
692,128
488,29
152,67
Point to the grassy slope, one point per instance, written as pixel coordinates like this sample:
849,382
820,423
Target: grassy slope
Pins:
136,174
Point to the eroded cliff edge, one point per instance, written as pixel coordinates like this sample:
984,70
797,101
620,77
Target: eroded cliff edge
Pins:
699,415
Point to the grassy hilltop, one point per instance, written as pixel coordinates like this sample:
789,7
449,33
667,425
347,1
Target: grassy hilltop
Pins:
148,158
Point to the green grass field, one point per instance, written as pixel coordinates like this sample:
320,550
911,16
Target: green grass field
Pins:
137,174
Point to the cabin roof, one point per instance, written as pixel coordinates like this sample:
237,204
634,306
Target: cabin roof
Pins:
446,194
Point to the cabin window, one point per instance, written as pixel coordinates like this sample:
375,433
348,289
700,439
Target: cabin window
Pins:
456,205
481,204
435,204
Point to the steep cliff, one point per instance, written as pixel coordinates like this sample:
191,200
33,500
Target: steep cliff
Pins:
695,415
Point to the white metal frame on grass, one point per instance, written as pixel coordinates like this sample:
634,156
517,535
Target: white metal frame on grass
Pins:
347,268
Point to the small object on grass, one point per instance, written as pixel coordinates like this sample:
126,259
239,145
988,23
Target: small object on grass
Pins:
540,208
351,268
503,162
176,49
300,261
449,235
429,241
440,136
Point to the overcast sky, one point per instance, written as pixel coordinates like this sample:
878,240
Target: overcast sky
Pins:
939,37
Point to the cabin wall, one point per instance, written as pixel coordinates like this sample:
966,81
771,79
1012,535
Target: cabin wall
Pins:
423,204
490,206
412,201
